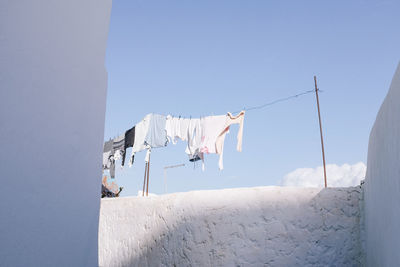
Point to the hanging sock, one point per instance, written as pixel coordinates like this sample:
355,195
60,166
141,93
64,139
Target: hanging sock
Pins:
132,160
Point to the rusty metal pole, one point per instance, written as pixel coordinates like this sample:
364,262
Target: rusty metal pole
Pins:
320,130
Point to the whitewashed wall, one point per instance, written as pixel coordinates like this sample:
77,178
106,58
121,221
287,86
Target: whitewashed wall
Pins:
265,226
53,93
382,186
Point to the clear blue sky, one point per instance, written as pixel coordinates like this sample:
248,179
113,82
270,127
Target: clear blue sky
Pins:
198,58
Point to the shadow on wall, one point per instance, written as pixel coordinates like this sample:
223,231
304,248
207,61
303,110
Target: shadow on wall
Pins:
269,226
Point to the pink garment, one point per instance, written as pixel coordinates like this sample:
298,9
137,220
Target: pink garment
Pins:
230,119
212,128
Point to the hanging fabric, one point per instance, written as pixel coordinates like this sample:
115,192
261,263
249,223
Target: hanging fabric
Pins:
141,130
230,119
119,147
156,134
176,128
129,141
203,136
212,128
108,157
194,137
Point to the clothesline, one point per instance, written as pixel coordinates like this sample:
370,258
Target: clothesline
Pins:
278,101
118,143
270,103
274,102
204,135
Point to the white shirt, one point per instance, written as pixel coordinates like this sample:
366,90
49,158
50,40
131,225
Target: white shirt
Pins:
194,136
172,127
213,126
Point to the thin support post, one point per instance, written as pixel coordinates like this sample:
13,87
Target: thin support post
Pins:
165,174
320,130
165,181
144,180
148,174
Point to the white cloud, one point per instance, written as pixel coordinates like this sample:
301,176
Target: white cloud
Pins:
337,176
140,194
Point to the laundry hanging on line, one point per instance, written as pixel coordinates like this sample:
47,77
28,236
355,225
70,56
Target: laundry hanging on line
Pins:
205,135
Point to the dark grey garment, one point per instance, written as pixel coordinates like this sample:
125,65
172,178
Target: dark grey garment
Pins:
107,154
119,143
130,137
129,141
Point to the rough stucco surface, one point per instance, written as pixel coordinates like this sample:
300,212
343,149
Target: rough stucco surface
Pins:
382,183
265,226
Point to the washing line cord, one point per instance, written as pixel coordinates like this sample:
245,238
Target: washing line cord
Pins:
277,101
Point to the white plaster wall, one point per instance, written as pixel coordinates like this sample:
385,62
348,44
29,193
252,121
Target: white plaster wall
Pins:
265,226
53,93
382,184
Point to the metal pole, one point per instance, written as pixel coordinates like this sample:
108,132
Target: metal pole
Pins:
320,130
165,174
144,181
165,181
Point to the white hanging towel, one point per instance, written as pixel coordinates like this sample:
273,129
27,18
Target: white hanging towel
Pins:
176,128
230,119
170,129
183,127
194,136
